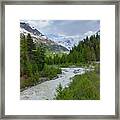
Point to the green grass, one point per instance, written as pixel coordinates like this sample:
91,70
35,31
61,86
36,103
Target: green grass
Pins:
83,87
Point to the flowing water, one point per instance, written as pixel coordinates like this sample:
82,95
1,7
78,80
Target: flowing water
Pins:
47,89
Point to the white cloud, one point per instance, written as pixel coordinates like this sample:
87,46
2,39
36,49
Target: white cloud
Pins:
39,24
78,38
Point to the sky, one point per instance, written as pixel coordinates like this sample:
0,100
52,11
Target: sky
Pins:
65,27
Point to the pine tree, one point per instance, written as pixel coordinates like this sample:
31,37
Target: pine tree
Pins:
25,65
39,57
23,56
30,46
93,56
87,50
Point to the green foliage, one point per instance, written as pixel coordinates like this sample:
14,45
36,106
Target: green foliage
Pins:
39,57
50,71
87,51
30,46
35,62
31,62
83,87
59,92
97,68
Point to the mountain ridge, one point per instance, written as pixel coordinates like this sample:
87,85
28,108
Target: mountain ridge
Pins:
40,38
66,43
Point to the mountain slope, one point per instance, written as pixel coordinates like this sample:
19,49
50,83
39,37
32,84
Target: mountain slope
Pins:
65,41
39,38
58,41
69,41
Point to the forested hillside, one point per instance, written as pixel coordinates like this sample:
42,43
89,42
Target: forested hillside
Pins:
86,51
32,63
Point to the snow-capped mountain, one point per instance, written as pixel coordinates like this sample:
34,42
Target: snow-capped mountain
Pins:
39,38
28,28
69,41
65,41
60,40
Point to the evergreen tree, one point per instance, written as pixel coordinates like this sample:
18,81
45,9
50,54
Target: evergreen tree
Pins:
23,56
30,46
87,50
25,68
39,57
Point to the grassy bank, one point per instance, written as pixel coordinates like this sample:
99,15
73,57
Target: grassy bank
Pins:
83,87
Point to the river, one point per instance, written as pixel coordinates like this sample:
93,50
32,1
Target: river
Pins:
47,89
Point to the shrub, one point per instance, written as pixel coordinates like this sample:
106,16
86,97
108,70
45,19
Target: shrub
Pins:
83,87
50,71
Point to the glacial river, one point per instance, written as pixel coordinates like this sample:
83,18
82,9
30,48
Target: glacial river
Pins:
47,89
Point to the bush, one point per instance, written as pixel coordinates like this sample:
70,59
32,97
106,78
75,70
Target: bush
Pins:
97,68
83,87
50,71
30,81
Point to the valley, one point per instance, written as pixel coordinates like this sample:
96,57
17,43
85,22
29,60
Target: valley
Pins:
58,67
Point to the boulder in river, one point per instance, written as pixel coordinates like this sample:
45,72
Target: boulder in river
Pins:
77,71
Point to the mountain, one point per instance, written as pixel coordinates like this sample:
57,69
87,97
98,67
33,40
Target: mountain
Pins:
40,38
58,41
69,41
65,41
28,28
